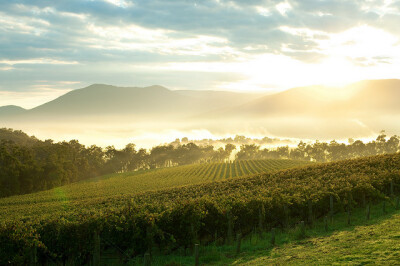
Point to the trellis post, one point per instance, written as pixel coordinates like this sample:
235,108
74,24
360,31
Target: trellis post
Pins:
33,256
230,228
239,242
391,188
326,223
273,232
310,213
196,254
331,207
302,229
96,252
147,259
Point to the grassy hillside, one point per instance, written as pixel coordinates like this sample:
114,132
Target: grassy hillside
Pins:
114,186
367,243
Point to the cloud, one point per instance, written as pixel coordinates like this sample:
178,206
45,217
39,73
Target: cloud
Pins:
370,61
121,41
239,23
47,61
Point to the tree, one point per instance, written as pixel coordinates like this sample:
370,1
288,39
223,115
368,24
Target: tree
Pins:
248,151
229,148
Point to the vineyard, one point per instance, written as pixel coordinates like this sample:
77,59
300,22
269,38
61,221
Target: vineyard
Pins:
81,195
167,219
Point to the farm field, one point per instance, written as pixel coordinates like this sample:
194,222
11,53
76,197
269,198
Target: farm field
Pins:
169,219
110,187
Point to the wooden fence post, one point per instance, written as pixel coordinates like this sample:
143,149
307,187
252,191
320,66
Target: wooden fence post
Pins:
33,256
286,215
230,228
391,188
147,259
96,252
331,207
349,208
149,237
349,200
273,236
368,212
326,223
239,242
310,213
261,214
364,202
348,216
194,232
196,255
70,261
302,229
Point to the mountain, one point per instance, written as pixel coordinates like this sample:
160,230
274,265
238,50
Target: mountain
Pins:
109,115
377,96
154,101
10,110
361,98
359,110
100,99
220,99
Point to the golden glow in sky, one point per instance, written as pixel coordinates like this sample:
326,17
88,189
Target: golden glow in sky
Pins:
356,54
259,45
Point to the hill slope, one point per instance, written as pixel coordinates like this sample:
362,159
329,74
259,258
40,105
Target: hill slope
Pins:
11,110
366,97
79,195
374,244
63,227
154,101
155,114
360,110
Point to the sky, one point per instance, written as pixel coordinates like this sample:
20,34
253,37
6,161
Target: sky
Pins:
48,48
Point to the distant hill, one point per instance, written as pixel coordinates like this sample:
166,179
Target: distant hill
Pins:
11,110
154,101
361,98
99,99
377,96
101,113
219,99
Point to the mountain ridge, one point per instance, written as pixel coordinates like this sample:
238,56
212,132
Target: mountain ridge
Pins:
155,100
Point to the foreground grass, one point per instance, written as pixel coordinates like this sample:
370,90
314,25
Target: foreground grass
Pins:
364,244
376,241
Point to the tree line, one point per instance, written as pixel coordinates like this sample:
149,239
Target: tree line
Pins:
324,151
28,164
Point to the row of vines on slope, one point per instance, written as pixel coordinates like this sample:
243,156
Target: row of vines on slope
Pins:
179,217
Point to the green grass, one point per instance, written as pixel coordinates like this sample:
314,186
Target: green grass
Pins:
108,188
376,241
